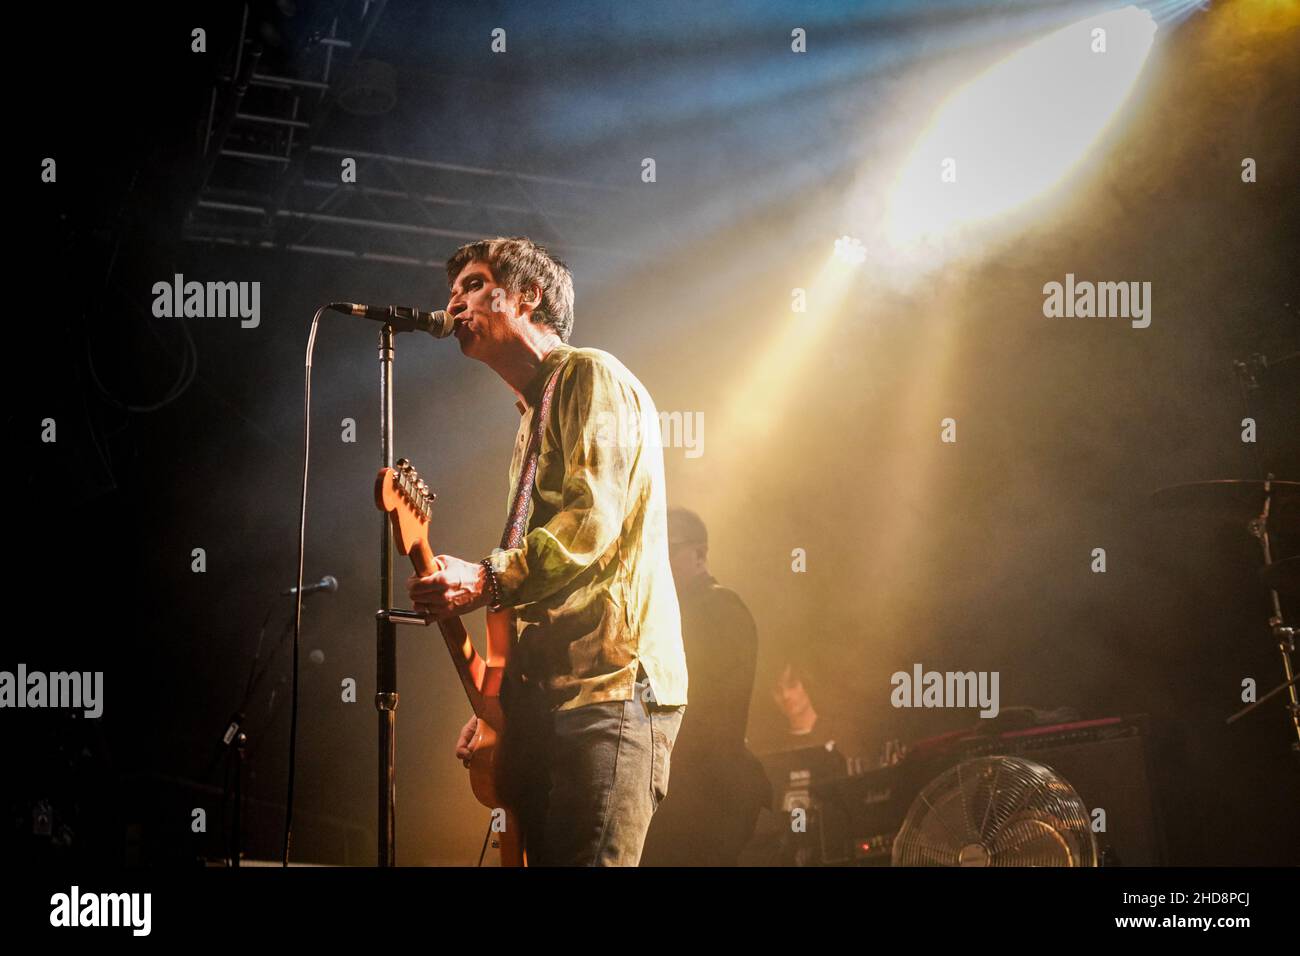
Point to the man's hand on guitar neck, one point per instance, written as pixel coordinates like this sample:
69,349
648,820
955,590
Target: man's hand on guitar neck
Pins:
459,587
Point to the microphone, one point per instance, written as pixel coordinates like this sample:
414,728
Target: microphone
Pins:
327,583
402,318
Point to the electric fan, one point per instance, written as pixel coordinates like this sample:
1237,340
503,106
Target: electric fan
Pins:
996,811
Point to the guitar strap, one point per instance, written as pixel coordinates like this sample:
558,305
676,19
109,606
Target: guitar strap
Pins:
513,536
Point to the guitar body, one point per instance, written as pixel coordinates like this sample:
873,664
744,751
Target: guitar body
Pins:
402,495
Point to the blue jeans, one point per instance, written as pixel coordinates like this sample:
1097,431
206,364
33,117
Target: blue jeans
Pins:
592,778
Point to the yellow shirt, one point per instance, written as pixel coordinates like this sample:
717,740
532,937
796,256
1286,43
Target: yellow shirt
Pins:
591,584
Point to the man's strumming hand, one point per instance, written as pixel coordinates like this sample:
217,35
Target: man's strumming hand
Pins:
465,744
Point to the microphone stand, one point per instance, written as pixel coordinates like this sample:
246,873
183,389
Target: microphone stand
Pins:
388,617
439,325
234,741
1249,373
385,629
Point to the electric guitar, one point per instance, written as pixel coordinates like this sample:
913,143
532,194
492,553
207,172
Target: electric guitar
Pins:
404,496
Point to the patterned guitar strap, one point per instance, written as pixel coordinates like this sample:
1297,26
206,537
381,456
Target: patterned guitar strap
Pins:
513,536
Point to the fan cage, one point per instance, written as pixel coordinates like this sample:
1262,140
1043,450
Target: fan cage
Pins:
997,811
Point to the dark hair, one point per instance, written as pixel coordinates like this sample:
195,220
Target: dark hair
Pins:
801,670
517,263
687,527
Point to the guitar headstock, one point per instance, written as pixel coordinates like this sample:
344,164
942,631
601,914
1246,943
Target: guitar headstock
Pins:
401,492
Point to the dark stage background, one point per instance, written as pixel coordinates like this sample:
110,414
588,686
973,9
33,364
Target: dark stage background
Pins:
176,434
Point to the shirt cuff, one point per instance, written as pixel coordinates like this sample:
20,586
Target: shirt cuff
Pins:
511,568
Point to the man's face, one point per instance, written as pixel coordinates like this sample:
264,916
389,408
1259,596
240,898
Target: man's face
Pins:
789,694
684,557
487,315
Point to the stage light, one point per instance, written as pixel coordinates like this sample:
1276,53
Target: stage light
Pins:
1017,130
1004,139
851,250
1175,11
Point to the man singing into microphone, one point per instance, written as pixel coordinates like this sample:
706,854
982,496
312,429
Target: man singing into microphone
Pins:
597,683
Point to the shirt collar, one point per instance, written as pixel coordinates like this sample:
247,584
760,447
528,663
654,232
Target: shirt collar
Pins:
533,390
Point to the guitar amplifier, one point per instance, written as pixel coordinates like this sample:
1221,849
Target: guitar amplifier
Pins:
861,815
793,775
1106,761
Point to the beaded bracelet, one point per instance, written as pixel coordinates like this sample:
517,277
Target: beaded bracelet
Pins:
493,585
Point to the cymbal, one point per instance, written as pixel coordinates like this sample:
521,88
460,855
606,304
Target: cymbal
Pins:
1235,499
1283,576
